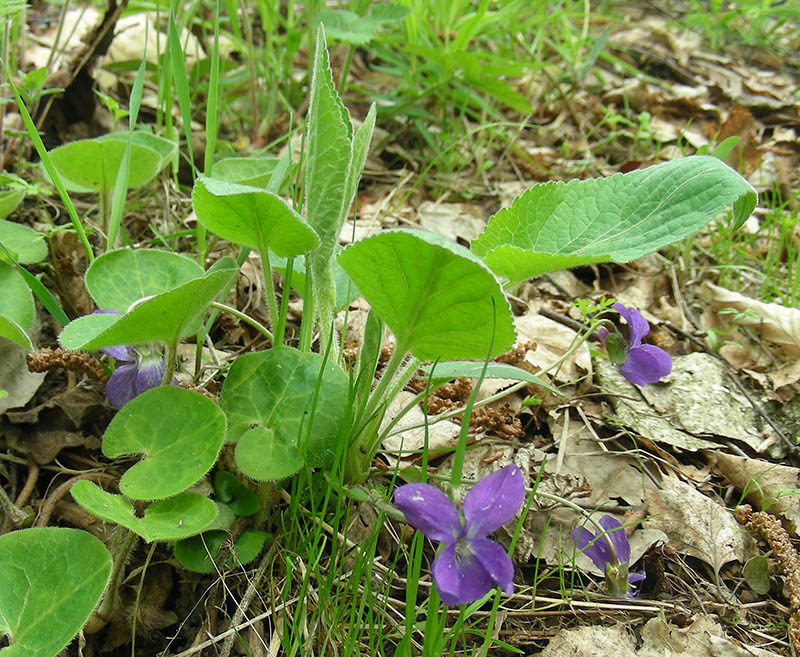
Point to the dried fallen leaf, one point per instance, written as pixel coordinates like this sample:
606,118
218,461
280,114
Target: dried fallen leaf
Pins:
776,323
702,638
696,400
591,641
771,487
697,525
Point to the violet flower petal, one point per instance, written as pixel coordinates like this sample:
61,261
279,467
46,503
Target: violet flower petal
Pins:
636,577
120,387
461,579
149,374
598,552
495,561
121,354
638,326
617,537
493,501
428,509
646,364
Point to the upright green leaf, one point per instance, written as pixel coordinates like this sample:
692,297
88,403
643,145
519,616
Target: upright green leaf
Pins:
251,217
50,581
329,154
439,300
620,218
180,432
16,300
118,278
163,318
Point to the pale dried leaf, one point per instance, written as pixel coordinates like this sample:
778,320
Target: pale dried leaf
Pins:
552,340
704,637
15,377
452,220
770,487
697,399
697,525
408,435
591,641
776,323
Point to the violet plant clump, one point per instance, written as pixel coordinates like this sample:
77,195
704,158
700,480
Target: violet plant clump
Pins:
610,551
470,563
638,363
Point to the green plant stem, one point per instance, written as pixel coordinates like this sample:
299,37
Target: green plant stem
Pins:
307,321
121,547
15,515
280,329
172,361
269,286
242,317
381,389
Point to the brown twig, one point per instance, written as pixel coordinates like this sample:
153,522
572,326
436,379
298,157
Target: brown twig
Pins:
777,537
47,508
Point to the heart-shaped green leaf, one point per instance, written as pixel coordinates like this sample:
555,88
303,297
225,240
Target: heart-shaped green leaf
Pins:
16,300
50,581
163,318
176,517
118,278
438,299
255,171
27,244
251,216
91,165
620,218
269,398
166,148
199,553
179,431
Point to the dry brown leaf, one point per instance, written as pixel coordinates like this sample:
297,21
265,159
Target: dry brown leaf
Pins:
552,342
776,323
697,525
771,487
697,399
452,220
703,638
591,641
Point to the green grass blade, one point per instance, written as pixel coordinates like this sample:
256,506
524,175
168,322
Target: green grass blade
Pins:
121,185
47,163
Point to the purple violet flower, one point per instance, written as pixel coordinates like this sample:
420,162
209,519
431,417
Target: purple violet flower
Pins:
135,372
637,362
470,563
610,552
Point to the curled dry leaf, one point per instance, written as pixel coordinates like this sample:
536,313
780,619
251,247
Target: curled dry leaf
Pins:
771,487
776,323
697,525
